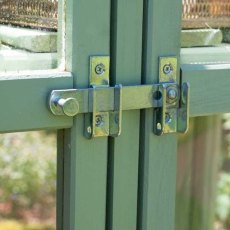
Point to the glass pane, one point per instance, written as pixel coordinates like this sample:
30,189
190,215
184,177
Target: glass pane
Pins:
206,23
28,34
203,175
28,181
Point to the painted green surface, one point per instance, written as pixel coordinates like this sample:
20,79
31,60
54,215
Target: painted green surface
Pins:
85,161
25,100
209,88
123,152
158,154
206,55
117,183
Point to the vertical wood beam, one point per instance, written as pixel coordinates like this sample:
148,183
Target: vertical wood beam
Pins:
126,54
158,154
85,161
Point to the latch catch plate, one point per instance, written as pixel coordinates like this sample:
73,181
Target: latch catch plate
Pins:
102,105
173,115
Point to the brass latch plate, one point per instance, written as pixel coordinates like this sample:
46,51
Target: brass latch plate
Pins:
102,123
103,104
173,115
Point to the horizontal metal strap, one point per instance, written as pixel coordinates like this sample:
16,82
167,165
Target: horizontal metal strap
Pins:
133,97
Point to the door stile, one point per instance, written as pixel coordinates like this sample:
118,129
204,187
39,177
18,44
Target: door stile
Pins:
126,54
85,161
156,208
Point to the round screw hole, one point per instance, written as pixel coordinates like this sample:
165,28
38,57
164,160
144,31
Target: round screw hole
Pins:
157,95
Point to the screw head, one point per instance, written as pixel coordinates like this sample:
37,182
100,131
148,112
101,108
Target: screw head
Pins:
168,118
172,94
167,69
100,69
99,120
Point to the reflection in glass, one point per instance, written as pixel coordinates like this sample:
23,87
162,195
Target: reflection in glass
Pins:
203,175
28,181
28,34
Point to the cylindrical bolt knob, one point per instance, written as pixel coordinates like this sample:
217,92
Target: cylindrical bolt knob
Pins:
70,106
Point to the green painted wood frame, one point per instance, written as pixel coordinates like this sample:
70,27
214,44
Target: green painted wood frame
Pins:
127,182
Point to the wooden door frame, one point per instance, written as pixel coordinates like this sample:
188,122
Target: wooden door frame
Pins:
151,162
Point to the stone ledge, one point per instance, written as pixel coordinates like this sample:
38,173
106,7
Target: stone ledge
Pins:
17,60
201,37
29,39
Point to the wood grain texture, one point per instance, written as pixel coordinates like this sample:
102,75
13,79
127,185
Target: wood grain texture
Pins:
158,154
126,53
85,163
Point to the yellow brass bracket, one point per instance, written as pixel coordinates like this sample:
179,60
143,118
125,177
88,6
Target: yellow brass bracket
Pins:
102,105
102,123
173,115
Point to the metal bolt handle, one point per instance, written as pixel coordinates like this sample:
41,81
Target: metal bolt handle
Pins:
70,106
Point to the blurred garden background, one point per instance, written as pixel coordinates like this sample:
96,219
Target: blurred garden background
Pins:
28,181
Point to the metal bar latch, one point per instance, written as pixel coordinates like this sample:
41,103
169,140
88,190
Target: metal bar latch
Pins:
103,105
173,115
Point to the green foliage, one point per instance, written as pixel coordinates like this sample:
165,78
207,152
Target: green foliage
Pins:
28,171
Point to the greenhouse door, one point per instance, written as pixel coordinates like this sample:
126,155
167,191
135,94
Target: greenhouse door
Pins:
107,182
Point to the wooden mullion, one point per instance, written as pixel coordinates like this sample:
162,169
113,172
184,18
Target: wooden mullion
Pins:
158,154
126,53
85,161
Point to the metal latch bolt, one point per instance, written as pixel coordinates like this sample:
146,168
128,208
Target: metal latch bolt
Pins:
103,105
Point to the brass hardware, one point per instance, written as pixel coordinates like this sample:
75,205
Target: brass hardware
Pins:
103,105
99,71
102,123
173,115
115,118
183,112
